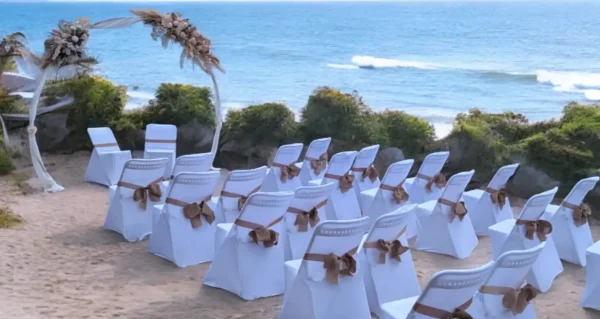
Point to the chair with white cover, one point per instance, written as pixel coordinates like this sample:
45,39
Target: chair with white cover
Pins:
303,215
490,206
192,163
447,295
238,186
129,212
503,295
591,293
366,175
390,195
282,176
445,225
161,142
107,160
327,282
429,182
342,203
248,260
385,258
526,232
570,229
315,160
184,231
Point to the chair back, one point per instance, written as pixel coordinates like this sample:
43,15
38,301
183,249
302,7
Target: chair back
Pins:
389,227
263,209
433,163
456,185
288,154
318,147
241,182
142,172
161,137
580,190
536,205
190,187
339,164
305,199
365,158
502,176
103,139
193,163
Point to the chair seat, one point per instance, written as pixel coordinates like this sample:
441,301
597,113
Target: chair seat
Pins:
156,210
398,309
504,227
550,212
291,268
408,183
475,194
112,189
428,206
366,198
222,231
299,165
315,182
158,150
594,249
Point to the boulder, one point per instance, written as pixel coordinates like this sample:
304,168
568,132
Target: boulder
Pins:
529,180
387,157
52,131
194,138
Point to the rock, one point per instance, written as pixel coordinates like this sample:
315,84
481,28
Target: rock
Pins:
387,157
194,138
51,131
260,155
529,180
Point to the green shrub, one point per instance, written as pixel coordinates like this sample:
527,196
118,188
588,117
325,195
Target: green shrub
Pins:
11,104
6,165
8,218
178,104
344,117
7,64
264,124
409,133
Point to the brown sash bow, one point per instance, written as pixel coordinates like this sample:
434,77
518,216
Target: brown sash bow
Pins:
516,300
260,233
345,180
332,263
458,313
581,213
399,194
287,171
370,172
142,193
194,211
303,218
498,196
317,164
438,179
394,248
242,198
540,227
457,209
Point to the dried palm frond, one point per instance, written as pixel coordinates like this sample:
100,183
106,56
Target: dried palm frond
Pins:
66,46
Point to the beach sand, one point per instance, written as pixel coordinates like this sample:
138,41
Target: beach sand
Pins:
61,263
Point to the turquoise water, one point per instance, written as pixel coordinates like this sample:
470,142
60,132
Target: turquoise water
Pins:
431,59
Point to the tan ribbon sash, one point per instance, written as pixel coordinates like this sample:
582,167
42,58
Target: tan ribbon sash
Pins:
458,313
438,179
142,193
457,209
242,198
394,247
515,300
399,193
260,233
498,197
161,141
581,213
332,262
317,164
106,145
540,227
369,171
345,180
303,218
194,211
287,171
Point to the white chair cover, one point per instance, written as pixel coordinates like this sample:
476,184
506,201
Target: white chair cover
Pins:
300,220
508,276
286,155
186,241
241,266
239,185
363,165
572,237
432,165
192,163
485,212
316,150
309,294
511,235
380,268
379,201
446,291
591,293
107,160
131,218
440,230
161,142
341,204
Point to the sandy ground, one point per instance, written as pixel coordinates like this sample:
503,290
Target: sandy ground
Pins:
61,264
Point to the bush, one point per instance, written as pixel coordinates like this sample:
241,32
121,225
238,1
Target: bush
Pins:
178,104
6,165
270,124
409,133
8,218
7,64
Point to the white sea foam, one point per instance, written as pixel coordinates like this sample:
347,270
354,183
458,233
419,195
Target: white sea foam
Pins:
592,95
140,95
568,80
365,61
342,66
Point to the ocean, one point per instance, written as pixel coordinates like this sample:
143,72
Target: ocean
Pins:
430,59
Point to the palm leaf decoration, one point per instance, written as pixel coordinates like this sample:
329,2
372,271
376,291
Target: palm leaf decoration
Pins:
11,46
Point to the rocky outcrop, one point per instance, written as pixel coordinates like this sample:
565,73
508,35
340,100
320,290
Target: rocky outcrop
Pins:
387,157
